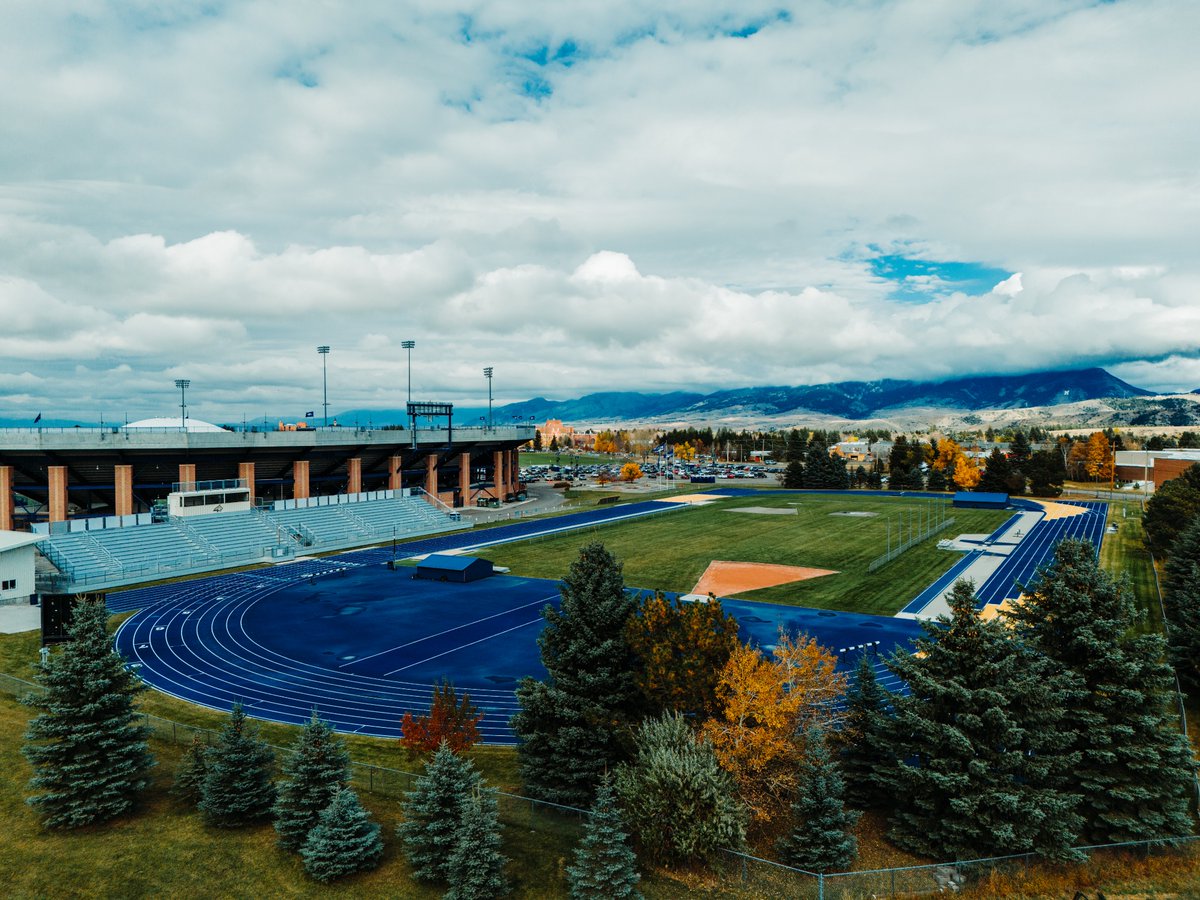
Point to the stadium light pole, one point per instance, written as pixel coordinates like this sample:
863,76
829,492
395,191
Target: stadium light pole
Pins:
183,384
487,373
324,351
408,345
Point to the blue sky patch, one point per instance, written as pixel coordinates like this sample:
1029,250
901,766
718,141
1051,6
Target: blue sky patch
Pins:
923,279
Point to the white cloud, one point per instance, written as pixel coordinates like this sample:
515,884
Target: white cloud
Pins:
663,206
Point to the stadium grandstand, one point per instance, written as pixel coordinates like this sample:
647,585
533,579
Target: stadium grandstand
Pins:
127,504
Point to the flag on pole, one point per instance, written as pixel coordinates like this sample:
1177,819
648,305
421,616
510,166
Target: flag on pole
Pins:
37,418
309,414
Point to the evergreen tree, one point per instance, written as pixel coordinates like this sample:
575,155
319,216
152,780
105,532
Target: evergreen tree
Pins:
678,801
317,770
605,866
237,786
571,725
995,478
1182,603
983,758
820,840
867,752
793,475
476,865
189,777
87,749
1020,450
433,814
344,840
1046,473
1135,771
1173,505
937,480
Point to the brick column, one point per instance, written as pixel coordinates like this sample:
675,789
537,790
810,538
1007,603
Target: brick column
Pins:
6,498
498,474
395,473
246,474
464,477
58,492
187,472
123,490
354,475
300,479
431,476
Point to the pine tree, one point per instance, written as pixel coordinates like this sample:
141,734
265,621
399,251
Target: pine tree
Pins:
318,768
189,777
937,480
433,813
1020,450
476,865
1135,771
820,840
87,749
995,478
984,760
867,752
572,725
237,787
344,840
793,475
1182,603
605,865
678,802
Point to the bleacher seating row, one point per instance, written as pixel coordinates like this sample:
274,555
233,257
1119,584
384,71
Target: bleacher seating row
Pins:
110,556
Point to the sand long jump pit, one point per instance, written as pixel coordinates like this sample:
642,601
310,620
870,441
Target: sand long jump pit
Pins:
723,577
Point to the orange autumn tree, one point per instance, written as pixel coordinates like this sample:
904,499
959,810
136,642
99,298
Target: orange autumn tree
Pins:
966,473
631,472
681,650
451,720
765,706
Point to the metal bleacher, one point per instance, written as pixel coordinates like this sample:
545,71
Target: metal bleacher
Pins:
99,558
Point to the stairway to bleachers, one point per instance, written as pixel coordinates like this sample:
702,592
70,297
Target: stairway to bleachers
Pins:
104,557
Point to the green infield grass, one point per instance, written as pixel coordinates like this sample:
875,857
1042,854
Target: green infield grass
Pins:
671,551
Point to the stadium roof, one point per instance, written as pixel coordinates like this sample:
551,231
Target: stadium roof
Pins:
193,425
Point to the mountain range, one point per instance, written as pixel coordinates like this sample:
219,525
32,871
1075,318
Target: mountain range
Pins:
1068,396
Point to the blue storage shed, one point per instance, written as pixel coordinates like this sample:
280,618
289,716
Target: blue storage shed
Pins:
443,567
972,500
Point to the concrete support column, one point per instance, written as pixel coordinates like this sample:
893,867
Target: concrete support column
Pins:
395,473
300,479
6,498
187,472
498,474
514,468
58,492
464,477
123,490
431,475
246,474
354,475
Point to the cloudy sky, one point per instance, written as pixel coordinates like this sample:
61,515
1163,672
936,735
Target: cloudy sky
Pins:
587,196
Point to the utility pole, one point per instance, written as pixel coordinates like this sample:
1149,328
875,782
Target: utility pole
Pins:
324,351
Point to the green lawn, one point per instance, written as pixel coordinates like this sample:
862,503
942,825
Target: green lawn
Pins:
671,551
1124,553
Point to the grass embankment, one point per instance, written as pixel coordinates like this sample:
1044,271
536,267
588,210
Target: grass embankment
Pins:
670,552
1125,553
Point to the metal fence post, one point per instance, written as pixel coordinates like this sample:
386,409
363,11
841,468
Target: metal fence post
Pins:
820,886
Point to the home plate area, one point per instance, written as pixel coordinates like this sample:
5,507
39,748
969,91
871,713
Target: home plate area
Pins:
725,578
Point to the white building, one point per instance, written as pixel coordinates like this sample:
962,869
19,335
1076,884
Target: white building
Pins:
16,566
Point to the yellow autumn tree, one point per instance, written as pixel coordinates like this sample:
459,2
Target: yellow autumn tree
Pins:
1098,457
765,706
966,472
631,472
605,442
948,455
685,451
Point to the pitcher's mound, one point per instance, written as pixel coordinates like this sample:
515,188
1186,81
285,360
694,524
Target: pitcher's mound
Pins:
724,578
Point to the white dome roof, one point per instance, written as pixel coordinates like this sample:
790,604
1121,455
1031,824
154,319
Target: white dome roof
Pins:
164,422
